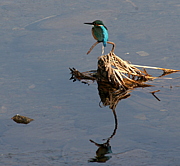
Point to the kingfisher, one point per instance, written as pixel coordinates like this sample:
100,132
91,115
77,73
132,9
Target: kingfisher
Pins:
99,32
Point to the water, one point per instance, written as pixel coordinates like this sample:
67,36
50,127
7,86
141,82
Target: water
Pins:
40,40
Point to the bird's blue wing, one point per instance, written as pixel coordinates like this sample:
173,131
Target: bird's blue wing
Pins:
105,35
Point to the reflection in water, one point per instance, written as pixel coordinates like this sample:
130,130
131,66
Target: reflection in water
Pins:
110,96
116,78
153,93
102,150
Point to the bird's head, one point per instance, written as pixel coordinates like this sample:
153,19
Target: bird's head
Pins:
96,23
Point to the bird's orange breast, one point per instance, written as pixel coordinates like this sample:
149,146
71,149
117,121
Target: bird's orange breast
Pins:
94,35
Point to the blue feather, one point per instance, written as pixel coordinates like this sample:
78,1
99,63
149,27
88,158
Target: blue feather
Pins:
105,35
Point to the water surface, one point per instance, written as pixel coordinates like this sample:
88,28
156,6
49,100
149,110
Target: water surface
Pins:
40,40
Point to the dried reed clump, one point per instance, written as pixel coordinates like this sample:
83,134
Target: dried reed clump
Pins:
119,73
114,70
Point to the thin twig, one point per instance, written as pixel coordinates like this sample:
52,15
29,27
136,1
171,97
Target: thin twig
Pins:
158,68
92,47
113,47
132,3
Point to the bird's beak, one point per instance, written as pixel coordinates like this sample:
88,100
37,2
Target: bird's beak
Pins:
89,23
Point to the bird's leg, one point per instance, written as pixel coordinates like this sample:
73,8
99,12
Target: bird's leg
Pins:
113,47
102,49
92,47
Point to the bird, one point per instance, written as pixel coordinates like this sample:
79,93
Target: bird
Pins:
100,33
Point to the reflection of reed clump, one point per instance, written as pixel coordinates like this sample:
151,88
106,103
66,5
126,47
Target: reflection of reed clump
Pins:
114,70
111,96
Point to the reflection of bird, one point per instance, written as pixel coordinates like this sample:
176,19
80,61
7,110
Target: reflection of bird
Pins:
103,149
99,31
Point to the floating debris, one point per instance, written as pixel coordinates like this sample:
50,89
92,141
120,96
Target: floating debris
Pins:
133,4
32,86
141,117
21,119
142,53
